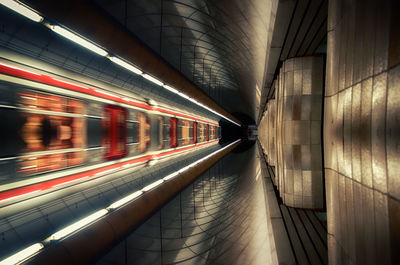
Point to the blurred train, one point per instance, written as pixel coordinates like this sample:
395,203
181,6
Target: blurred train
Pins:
49,124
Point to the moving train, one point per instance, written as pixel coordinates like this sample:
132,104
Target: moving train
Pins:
49,124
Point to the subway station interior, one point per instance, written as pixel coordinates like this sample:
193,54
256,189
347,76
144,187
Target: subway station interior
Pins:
199,132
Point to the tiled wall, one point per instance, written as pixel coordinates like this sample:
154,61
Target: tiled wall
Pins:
361,132
298,139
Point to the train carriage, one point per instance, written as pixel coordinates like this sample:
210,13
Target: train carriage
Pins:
54,119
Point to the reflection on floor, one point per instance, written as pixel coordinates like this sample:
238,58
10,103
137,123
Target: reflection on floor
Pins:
221,218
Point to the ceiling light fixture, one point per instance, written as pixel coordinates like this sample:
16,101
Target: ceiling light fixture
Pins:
22,10
125,200
77,225
173,90
77,39
153,185
125,65
22,255
153,79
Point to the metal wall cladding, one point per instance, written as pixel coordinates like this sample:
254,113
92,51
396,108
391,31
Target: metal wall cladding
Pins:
361,132
298,132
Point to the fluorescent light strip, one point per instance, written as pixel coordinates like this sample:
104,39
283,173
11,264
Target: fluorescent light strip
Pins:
173,90
170,176
153,79
153,185
125,65
77,39
125,200
22,10
77,225
186,168
22,255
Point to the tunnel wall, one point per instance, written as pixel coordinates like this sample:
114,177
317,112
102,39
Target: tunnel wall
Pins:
298,136
362,155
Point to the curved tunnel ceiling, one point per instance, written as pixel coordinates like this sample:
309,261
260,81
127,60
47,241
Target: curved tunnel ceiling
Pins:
221,46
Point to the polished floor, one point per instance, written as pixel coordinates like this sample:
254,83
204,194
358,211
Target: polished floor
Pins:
222,218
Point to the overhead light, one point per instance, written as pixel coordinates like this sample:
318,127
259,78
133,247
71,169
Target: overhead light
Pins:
126,65
23,254
125,200
173,90
194,101
170,176
22,10
153,185
185,168
184,96
77,225
77,39
153,79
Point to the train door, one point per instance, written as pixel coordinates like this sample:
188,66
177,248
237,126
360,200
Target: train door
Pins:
194,139
173,132
115,125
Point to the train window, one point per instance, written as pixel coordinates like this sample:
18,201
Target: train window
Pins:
194,132
173,132
115,140
207,132
212,132
50,123
144,132
185,129
201,132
